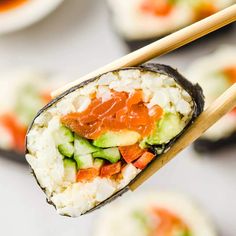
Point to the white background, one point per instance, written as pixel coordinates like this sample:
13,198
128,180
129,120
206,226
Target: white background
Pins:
74,40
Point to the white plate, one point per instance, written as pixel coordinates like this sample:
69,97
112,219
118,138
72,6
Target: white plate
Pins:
26,14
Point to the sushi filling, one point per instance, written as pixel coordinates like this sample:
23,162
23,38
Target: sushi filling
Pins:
149,221
159,221
95,140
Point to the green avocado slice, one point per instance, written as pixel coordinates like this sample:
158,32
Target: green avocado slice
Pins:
166,129
116,139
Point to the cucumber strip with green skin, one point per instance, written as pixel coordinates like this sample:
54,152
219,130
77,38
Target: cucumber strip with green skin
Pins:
117,139
84,161
63,138
63,135
98,163
69,170
183,233
110,154
141,218
83,146
66,149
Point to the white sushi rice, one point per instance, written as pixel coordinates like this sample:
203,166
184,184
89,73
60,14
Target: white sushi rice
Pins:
122,223
79,197
134,24
205,72
73,199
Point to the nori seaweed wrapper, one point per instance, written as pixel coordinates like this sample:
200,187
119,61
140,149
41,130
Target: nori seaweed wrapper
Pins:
195,92
12,155
203,145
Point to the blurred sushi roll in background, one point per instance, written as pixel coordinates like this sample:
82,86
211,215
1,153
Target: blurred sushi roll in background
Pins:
140,22
153,213
23,93
216,73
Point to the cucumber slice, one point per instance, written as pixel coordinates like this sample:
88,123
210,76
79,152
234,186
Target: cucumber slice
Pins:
83,146
110,154
84,161
69,170
115,139
66,149
63,136
98,163
142,219
182,233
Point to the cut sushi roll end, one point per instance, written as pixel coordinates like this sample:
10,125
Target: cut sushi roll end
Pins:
139,20
88,144
153,213
216,73
23,92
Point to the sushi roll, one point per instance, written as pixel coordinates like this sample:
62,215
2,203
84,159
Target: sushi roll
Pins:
88,144
140,22
154,213
23,93
216,73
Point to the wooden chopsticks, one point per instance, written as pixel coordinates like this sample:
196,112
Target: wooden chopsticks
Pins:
211,115
225,103
164,45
